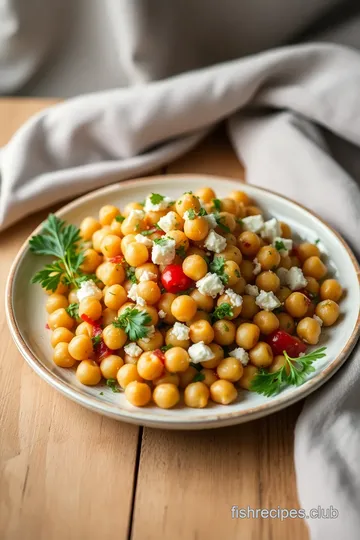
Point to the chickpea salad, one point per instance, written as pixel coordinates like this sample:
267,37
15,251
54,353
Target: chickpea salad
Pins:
196,298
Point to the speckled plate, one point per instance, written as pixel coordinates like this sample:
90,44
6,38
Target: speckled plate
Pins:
25,308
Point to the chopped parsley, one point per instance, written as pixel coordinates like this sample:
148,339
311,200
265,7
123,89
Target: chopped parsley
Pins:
73,310
198,377
279,245
216,205
202,212
223,310
101,393
120,219
112,383
191,214
165,348
130,274
219,221
96,340
181,251
156,198
160,241
198,367
147,233
317,241
134,323
217,266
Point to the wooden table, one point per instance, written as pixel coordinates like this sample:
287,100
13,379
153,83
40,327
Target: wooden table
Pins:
67,473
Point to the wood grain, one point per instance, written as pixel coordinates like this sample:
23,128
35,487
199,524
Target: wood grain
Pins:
188,482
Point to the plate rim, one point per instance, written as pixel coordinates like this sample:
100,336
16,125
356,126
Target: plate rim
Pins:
194,422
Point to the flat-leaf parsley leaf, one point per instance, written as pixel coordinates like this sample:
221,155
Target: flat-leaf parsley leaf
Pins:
134,323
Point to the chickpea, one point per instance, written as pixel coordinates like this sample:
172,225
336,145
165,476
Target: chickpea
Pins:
136,254
253,210
285,262
286,322
126,241
72,297
132,206
261,355
218,353
91,308
186,377
166,395
267,322
152,218
314,267
228,205
224,332
196,395
328,311
268,281
206,194
150,366
127,374
240,197
209,376
155,341
88,373
236,310
91,261
61,335
247,335
201,331
85,329
223,392
285,230
310,310
60,318
176,359
98,237
186,202
110,246
240,285
330,290
203,302
226,220
149,291
113,337
171,339
149,268
249,374
196,229
297,304
134,224
308,329
268,257
249,244
183,308
62,357
116,227
230,239
166,377
164,305
80,347
230,369
249,307
56,301
138,393
107,213
110,366
88,226
110,273
278,362
115,296
295,261
232,270
199,316
307,250
194,267
181,240
231,253
283,294
247,271
312,286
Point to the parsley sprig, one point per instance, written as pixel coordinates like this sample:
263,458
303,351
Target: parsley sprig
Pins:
63,242
293,372
73,310
133,322
217,266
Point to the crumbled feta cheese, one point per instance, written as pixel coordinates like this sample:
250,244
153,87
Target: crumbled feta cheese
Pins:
163,253
240,354
89,289
168,222
150,333
257,267
136,214
141,239
199,352
267,301
235,299
211,220
282,275
253,223
210,285
162,205
271,229
251,290
287,243
133,295
133,350
186,215
320,321
180,331
162,314
295,279
148,276
215,242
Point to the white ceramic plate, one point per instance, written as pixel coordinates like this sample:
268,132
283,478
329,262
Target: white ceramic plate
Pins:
25,306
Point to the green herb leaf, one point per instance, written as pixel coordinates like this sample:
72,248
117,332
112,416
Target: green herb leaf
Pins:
202,212
317,241
222,311
165,348
101,393
160,241
50,276
113,384
188,192
120,219
190,214
216,205
96,340
198,377
293,372
156,198
198,367
239,221
181,251
147,233
279,245
133,322
221,225
217,266
130,274
73,310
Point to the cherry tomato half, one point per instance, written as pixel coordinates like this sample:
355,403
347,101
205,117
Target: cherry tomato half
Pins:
281,341
174,280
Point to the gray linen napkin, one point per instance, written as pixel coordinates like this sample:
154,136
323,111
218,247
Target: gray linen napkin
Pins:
289,111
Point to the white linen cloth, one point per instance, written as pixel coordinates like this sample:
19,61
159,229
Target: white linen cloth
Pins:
293,116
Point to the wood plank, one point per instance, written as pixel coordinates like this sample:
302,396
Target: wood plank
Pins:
65,472
188,481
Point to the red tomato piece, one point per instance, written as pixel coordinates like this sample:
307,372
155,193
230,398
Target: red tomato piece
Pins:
281,341
174,280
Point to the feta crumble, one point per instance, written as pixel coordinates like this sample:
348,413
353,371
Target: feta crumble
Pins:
150,333
162,314
163,253
271,229
133,295
287,243
253,223
180,331
210,285
136,214
282,275
235,299
251,290
211,220
133,350
169,222
257,267
89,289
148,276
240,354
162,205
320,321
267,301
295,279
215,242
141,239
199,352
